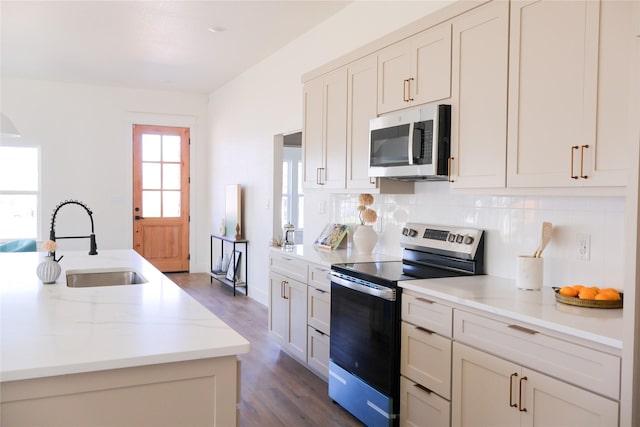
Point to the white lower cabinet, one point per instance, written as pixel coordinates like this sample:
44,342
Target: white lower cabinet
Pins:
421,407
425,362
318,352
318,320
300,309
288,314
491,391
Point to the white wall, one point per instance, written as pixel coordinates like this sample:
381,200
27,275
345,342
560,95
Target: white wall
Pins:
86,153
266,100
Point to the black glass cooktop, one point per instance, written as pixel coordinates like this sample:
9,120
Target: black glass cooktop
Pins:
390,272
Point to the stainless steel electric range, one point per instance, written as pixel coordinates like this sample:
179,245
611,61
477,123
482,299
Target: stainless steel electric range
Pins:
364,366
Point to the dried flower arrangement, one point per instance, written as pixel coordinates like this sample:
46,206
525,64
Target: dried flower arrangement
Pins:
365,213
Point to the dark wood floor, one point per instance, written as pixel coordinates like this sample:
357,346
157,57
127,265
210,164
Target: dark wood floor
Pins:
276,390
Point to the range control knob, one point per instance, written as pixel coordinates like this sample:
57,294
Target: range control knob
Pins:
451,238
405,231
459,238
467,240
412,232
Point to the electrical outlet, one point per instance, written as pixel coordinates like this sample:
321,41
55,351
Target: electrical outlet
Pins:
583,243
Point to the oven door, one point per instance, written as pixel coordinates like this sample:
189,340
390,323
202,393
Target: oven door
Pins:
364,332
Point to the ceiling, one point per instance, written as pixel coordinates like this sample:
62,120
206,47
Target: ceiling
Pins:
162,45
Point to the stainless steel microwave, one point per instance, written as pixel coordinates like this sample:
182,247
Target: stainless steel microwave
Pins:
412,145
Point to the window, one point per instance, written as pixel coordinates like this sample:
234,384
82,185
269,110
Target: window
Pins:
292,195
19,192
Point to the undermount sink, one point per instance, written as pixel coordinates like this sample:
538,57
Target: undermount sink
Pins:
103,277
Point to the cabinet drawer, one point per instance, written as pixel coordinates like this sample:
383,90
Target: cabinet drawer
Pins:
318,352
426,359
423,312
318,278
419,407
528,347
289,267
319,309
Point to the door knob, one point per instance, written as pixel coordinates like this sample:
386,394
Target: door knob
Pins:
138,217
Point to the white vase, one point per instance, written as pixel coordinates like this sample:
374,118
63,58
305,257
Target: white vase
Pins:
365,239
48,270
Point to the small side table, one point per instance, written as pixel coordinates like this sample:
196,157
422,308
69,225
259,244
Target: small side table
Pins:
222,276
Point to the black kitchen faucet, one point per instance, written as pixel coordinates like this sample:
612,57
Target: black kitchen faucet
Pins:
93,249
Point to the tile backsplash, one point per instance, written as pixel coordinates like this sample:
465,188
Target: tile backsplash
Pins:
512,227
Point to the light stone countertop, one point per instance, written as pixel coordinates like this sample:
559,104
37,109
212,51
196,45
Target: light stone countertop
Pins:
500,296
325,257
48,330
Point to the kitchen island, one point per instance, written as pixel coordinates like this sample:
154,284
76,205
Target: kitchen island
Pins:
145,354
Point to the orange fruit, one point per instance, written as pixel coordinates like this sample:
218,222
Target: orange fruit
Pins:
608,295
595,288
587,293
568,291
577,287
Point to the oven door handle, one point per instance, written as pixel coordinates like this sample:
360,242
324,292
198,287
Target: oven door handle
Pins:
380,292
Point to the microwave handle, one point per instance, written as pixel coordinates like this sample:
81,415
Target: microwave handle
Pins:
410,144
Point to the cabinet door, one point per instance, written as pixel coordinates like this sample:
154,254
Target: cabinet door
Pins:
479,97
553,68
431,65
550,402
318,352
426,359
607,162
363,80
296,297
335,129
319,309
484,388
420,407
394,67
278,309
312,134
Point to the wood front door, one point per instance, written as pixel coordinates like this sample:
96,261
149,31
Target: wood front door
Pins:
161,196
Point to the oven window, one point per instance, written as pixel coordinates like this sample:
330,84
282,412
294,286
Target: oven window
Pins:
364,337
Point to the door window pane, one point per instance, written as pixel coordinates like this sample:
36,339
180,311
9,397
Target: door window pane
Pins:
151,147
151,177
171,148
170,204
171,176
151,204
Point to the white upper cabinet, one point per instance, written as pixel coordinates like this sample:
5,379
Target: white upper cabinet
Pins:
416,70
362,86
325,131
568,93
479,97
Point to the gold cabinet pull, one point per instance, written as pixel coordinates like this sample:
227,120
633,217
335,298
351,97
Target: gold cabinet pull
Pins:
405,89
511,404
286,286
573,147
425,330
428,301
422,388
409,98
523,329
582,175
449,160
522,408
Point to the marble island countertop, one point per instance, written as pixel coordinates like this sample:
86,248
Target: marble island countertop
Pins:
539,308
48,330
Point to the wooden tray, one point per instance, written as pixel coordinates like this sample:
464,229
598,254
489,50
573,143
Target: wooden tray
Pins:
588,302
